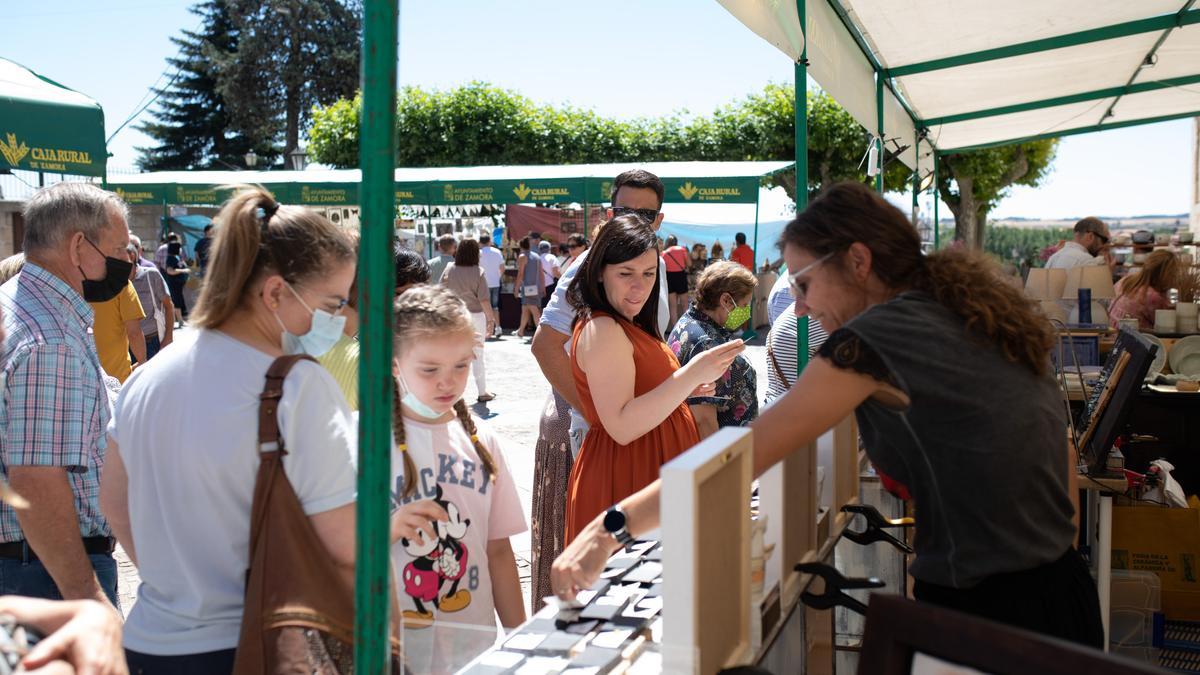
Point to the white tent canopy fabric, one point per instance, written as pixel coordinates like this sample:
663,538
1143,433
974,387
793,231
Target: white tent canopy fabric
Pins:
985,73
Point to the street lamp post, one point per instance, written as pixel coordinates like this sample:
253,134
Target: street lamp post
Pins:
297,159
251,159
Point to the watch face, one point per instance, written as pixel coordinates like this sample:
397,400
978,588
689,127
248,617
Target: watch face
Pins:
614,520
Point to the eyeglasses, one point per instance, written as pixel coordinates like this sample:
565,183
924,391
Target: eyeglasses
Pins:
647,215
339,302
799,290
1103,239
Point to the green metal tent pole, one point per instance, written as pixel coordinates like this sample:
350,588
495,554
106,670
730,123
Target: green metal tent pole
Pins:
937,237
879,130
377,153
754,251
801,93
916,177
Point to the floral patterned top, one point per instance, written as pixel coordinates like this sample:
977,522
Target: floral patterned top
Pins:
736,397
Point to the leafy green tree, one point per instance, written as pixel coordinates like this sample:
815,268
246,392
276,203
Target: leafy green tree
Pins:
974,182
479,124
191,121
291,56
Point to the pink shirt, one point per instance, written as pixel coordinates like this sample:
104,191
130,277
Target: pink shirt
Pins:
452,571
1140,305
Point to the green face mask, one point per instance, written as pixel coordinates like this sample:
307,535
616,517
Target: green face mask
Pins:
737,317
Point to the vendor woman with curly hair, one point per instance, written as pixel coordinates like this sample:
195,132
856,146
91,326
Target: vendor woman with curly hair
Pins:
947,369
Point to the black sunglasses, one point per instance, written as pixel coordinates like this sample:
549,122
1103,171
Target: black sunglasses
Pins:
1103,239
647,215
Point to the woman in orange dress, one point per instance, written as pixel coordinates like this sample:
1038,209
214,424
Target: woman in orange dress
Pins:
631,386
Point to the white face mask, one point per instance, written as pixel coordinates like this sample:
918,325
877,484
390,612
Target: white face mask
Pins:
415,404
324,333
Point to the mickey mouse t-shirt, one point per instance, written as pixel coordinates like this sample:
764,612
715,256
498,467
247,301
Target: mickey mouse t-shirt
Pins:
443,585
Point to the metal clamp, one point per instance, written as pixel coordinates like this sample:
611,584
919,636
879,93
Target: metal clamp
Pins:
835,587
875,526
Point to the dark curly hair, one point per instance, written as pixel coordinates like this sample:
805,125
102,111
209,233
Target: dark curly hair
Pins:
967,283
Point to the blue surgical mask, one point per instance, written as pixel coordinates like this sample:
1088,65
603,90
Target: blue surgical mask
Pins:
417,405
326,330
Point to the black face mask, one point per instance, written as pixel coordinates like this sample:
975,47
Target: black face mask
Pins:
116,275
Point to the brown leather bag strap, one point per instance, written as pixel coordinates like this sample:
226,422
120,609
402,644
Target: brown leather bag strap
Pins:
269,439
775,364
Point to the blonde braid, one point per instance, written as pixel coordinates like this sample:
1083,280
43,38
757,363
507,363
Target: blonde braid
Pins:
468,422
410,469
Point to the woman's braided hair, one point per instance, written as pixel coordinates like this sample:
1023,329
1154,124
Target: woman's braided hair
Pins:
424,312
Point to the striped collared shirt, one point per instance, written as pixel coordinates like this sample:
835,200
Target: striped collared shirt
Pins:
54,407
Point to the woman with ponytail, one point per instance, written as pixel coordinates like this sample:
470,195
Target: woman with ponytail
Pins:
183,451
452,585
947,370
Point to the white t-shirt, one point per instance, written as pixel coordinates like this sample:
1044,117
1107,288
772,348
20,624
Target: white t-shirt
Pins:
549,262
452,571
187,425
1071,255
491,260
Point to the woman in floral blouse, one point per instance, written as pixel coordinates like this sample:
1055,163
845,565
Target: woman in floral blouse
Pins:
721,308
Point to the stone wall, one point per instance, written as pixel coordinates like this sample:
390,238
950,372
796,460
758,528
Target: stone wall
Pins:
7,210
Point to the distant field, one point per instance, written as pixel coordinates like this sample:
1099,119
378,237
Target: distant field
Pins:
1169,222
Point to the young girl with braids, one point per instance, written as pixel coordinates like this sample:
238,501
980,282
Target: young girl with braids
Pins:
451,586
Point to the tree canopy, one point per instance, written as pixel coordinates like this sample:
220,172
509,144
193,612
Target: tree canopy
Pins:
480,124
981,178
191,121
249,77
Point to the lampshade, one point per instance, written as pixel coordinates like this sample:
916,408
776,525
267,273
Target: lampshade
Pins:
1045,284
1095,277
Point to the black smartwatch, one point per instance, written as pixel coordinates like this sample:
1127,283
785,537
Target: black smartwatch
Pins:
614,523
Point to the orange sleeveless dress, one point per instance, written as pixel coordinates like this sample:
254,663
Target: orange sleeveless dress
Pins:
606,472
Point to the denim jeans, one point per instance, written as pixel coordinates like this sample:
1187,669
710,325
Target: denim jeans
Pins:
152,346
208,663
495,293
31,579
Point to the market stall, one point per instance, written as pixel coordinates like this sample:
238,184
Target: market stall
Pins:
46,127
872,57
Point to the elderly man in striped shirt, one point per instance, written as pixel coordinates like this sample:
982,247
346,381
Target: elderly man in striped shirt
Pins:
54,403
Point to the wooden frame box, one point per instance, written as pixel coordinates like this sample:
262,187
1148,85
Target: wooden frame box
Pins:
705,506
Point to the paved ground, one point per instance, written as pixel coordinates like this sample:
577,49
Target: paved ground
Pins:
513,375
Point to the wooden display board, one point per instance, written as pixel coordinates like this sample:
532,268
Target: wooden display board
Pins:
705,506
807,533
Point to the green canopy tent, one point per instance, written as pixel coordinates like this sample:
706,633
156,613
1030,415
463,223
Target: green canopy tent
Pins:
943,77
48,128
685,183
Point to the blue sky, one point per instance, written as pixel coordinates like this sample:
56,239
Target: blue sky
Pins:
620,57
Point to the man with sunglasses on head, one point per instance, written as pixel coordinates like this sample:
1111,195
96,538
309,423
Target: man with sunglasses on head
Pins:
562,428
1089,247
